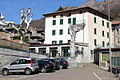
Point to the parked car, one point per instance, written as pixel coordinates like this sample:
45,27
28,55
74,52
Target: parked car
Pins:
55,62
63,63
116,70
26,65
45,66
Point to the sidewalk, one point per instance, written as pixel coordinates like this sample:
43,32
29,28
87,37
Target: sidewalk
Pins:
102,72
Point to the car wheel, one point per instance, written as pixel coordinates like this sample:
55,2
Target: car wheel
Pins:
5,72
43,70
28,71
65,68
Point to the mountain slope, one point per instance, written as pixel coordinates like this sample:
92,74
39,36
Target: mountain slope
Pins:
102,6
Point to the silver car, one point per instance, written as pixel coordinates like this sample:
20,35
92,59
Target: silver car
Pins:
27,65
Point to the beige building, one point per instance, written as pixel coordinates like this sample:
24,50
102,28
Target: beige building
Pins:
95,33
116,35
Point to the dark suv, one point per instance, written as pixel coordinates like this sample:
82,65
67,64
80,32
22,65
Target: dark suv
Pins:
55,62
27,65
63,63
45,66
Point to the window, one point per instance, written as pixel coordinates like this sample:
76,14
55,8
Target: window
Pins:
54,16
103,44
69,41
102,22
118,40
54,22
53,32
107,24
15,62
103,33
95,31
95,42
61,41
74,21
95,20
69,14
54,42
23,61
81,12
61,32
68,31
107,34
61,21
69,20
61,15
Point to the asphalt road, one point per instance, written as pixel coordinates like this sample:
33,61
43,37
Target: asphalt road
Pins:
89,72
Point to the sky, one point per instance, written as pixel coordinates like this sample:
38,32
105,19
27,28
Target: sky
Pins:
11,8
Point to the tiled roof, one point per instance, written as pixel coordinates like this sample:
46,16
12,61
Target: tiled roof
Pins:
115,22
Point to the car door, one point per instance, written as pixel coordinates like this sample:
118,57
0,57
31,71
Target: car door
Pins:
14,66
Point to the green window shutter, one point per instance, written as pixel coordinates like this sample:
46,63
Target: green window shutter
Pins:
61,41
107,34
74,21
107,24
69,20
103,33
95,42
53,32
69,41
61,21
54,22
103,44
95,31
61,32
95,20
54,42
102,22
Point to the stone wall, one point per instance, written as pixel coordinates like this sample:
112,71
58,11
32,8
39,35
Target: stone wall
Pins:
8,55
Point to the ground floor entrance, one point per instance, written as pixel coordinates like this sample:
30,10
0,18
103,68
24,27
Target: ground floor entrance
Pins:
63,50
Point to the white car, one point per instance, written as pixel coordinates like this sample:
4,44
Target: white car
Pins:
27,65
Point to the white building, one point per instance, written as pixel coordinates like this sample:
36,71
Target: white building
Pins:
94,34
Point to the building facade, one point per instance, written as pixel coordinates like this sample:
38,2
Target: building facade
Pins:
116,35
95,33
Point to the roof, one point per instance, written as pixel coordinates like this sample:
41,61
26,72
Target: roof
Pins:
17,41
86,9
115,22
77,43
107,50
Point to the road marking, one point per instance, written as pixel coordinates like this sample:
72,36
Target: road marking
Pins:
97,76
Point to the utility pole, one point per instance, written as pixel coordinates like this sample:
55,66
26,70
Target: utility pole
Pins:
110,52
